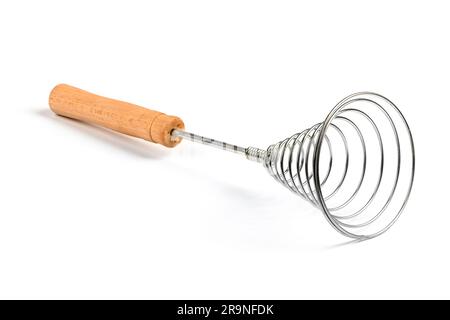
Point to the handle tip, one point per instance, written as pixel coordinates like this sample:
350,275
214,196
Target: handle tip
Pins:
161,129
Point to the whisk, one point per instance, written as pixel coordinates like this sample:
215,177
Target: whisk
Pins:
357,166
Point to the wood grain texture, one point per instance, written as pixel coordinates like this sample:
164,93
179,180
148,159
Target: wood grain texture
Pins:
117,115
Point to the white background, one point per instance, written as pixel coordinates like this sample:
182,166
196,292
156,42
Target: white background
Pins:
89,213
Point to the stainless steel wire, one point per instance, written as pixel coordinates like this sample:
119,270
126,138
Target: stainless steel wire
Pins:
357,166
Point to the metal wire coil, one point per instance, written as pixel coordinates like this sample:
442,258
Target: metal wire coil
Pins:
357,166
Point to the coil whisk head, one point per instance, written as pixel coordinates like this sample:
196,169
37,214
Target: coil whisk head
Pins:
357,166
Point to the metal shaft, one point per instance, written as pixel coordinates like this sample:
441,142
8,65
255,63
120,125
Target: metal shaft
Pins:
251,153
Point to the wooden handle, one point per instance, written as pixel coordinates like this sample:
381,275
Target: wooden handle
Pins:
117,115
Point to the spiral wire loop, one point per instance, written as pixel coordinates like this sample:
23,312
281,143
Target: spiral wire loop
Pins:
357,166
